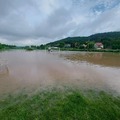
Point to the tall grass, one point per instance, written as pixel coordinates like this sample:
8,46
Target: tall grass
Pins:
67,104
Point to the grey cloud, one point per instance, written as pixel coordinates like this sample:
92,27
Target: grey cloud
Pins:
58,24
41,21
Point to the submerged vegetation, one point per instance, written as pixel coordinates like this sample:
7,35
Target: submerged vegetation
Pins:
61,104
64,103
29,49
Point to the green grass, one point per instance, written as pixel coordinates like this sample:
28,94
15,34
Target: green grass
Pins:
55,104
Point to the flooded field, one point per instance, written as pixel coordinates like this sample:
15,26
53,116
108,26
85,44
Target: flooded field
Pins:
23,70
103,59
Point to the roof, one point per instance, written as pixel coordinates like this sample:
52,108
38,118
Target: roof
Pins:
99,44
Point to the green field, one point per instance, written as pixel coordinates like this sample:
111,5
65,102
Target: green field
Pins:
61,104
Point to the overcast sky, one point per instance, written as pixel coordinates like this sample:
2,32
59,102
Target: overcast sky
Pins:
26,22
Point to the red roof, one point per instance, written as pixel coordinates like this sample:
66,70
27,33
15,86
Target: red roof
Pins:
99,44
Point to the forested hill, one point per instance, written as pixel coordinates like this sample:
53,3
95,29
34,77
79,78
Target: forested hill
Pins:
109,39
105,36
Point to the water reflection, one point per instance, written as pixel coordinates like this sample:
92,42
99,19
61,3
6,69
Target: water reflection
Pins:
104,59
35,69
3,68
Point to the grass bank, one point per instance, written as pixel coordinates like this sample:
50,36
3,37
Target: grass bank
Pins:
91,50
56,104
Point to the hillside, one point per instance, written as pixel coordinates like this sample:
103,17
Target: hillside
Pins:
109,39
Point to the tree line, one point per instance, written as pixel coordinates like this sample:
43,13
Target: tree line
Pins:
4,46
110,40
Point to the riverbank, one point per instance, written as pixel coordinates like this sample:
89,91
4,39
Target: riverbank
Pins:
61,104
67,49
90,50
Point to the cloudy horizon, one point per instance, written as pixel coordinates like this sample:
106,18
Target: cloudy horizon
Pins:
34,22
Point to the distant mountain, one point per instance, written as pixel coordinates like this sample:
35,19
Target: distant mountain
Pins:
107,35
109,39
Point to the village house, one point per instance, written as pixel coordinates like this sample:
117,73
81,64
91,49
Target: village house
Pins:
98,45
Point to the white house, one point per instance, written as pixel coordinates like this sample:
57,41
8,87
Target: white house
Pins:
98,45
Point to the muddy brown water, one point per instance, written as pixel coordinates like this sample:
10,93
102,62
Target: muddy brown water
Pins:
38,69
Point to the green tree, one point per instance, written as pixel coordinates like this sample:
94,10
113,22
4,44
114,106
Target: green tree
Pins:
62,44
42,46
90,44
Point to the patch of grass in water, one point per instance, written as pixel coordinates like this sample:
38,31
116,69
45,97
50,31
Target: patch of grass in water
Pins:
68,104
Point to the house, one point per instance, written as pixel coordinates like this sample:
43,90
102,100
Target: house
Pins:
98,45
84,45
